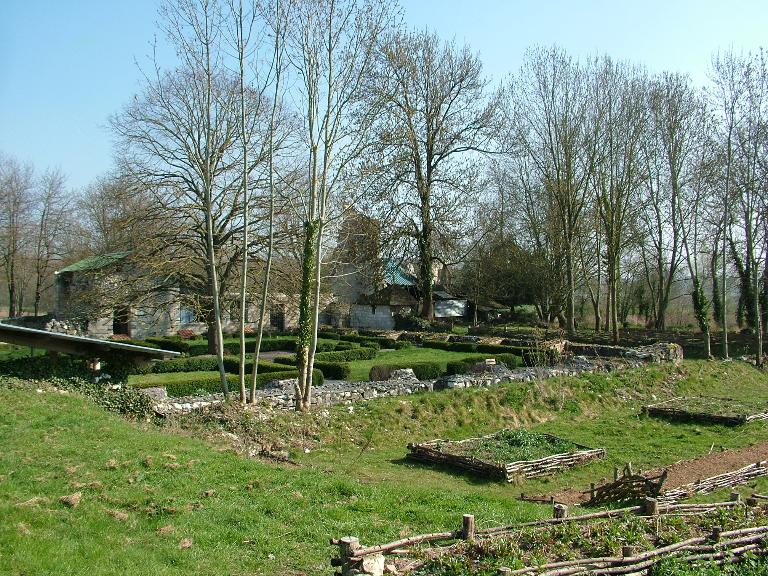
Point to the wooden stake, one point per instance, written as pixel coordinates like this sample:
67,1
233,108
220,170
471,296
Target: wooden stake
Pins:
651,506
468,527
560,511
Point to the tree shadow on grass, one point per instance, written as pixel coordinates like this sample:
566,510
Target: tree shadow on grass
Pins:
467,475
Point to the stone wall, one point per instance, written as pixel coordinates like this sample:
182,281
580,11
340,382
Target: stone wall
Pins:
280,394
374,317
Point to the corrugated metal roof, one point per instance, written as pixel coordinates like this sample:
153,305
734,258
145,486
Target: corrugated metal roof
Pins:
69,344
94,262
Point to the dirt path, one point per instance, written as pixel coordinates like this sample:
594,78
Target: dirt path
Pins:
687,471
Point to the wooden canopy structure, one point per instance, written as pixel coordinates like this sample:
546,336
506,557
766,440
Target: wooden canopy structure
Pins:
78,345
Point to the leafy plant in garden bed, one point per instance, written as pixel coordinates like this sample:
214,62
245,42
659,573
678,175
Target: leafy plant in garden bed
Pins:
513,445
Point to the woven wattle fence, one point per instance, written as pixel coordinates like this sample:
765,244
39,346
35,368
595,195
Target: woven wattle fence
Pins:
726,480
676,409
439,452
718,546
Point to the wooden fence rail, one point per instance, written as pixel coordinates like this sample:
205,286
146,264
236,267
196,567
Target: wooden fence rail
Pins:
356,559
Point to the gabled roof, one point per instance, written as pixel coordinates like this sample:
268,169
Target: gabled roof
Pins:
394,275
94,262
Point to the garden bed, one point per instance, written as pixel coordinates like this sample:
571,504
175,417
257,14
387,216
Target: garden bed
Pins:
507,454
709,409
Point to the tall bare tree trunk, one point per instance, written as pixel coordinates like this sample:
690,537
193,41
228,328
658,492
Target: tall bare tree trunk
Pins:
277,61
241,42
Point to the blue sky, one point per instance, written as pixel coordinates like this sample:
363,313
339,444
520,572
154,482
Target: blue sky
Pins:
65,66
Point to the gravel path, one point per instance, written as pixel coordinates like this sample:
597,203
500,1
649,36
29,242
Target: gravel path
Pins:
687,471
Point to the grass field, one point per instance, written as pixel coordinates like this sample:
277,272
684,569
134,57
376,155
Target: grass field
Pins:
180,499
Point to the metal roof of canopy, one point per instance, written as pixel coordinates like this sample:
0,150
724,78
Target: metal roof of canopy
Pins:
79,345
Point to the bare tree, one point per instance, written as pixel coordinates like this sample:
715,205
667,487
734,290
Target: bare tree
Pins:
620,92
550,107
179,139
438,117
52,224
16,201
669,162
331,48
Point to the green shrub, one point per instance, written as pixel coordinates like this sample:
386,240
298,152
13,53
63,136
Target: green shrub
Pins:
363,340
346,346
450,346
334,370
46,367
499,349
362,353
459,366
338,370
328,335
171,343
327,345
462,366
422,370
412,323
208,364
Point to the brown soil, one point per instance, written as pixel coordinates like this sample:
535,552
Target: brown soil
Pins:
686,471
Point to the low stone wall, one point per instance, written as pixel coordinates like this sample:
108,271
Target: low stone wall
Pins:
280,394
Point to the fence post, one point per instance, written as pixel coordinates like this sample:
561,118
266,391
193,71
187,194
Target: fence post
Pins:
628,551
559,511
347,547
651,507
468,527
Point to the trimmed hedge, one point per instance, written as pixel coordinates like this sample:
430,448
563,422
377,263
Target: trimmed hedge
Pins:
450,346
463,365
335,370
362,353
205,364
328,335
171,343
365,341
422,370
200,347
209,384
346,346
44,367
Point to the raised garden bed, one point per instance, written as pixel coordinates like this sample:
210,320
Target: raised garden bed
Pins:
708,409
507,454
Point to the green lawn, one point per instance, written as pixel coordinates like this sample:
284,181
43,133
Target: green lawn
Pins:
147,490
